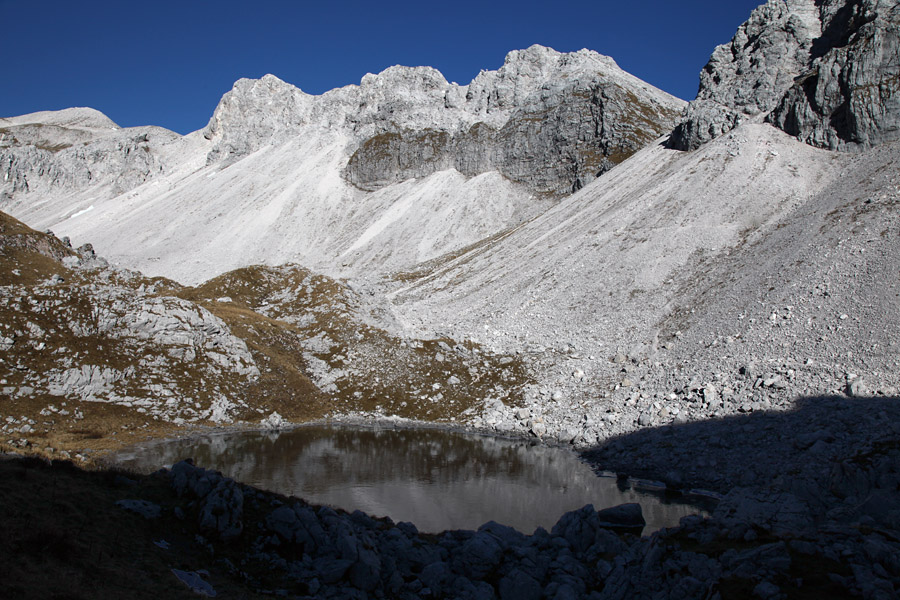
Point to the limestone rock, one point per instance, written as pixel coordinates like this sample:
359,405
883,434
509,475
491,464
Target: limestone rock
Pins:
220,499
222,510
146,509
478,556
583,119
748,75
850,95
825,72
552,121
74,149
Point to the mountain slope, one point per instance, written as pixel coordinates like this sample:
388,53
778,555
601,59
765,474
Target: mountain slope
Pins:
94,357
685,286
358,179
606,254
618,296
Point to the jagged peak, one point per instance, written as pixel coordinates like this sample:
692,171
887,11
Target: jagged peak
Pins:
268,110
239,107
548,59
266,82
535,54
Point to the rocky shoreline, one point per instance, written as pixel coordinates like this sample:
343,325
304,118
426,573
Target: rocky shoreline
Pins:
787,536
763,529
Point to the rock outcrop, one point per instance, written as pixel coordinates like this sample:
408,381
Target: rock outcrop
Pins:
582,120
76,331
549,120
73,149
827,72
851,93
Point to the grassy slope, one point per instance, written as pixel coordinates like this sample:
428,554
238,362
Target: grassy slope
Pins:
316,355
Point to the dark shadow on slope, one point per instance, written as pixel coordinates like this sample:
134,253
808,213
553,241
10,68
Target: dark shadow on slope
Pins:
840,30
830,451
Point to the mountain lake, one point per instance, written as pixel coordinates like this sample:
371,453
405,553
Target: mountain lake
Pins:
435,478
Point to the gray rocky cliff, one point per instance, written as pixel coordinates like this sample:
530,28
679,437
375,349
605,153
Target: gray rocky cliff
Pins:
73,149
549,120
255,112
825,71
850,96
555,143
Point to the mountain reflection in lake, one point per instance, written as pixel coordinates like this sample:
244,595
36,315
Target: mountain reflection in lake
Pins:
434,478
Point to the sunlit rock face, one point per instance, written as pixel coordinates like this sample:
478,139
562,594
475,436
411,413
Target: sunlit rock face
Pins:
52,152
550,120
823,71
376,177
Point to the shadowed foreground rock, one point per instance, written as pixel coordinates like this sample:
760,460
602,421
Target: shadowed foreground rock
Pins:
758,544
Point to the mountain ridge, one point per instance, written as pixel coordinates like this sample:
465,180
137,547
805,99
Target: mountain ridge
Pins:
725,317
310,175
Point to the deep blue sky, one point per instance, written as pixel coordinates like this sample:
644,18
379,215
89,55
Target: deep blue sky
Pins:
167,62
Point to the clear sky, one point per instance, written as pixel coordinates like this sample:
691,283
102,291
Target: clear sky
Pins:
168,62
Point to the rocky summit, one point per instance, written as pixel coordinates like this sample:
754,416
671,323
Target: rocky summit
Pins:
824,72
699,295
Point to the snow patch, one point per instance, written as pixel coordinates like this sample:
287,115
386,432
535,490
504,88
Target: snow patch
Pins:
81,212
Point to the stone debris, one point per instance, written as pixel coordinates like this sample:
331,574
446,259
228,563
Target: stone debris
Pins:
195,582
148,510
771,538
221,500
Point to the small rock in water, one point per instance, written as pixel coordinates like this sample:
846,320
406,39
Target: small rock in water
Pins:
625,516
539,429
567,436
274,421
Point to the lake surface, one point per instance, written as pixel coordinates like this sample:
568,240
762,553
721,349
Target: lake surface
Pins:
434,478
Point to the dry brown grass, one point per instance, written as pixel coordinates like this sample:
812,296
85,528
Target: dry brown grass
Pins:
276,311
383,373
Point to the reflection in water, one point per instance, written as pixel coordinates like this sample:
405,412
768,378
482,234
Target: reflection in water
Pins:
434,478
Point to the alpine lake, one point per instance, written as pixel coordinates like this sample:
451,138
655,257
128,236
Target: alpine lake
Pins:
438,479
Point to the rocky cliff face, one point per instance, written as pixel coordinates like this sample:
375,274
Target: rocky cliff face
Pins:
548,120
557,142
73,149
851,93
826,71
